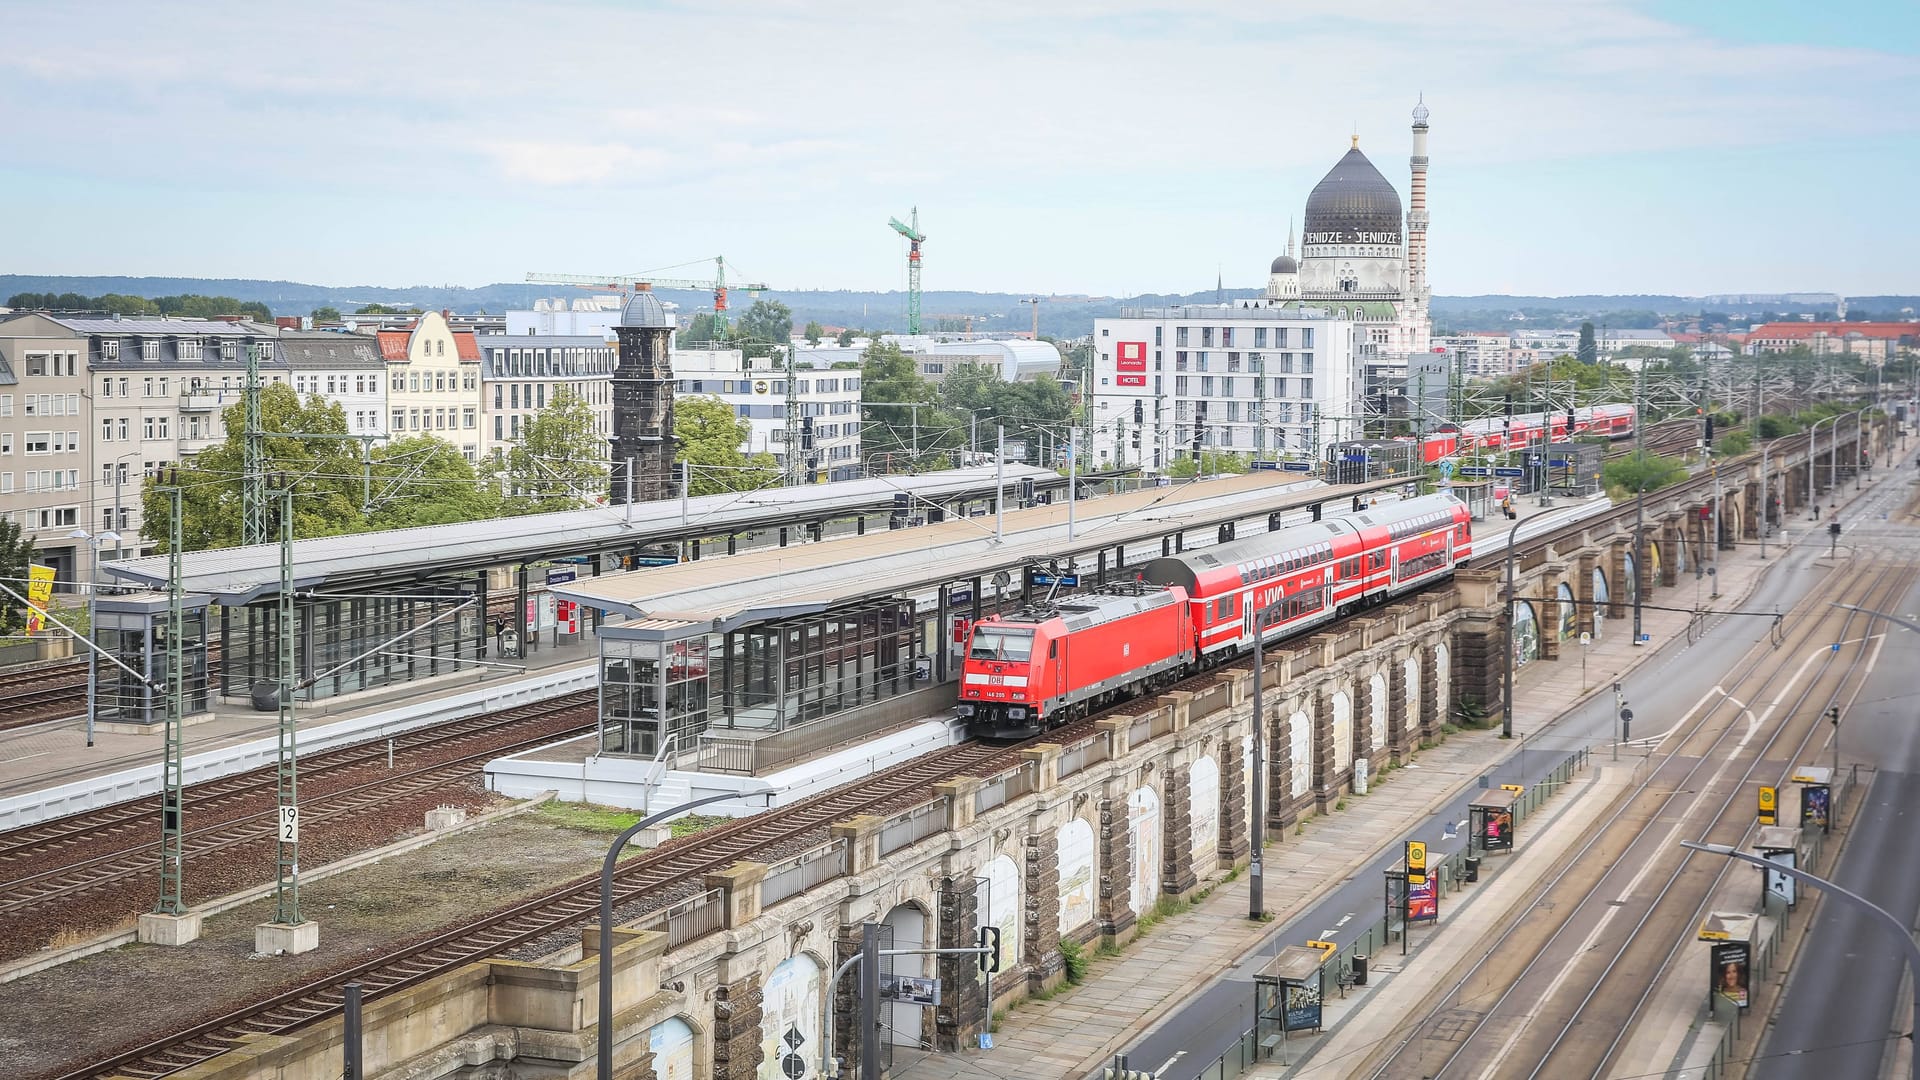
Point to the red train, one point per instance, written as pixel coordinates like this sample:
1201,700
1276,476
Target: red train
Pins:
1048,663
1494,433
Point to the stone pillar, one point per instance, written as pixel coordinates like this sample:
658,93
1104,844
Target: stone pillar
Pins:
1234,822
1583,591
963,1011
1041,932
1116,912
1617,601
1176,832
741,884
1397,709
1430,718
1669,555
1363,719
1279,762
1324,776
1476,660
736,1029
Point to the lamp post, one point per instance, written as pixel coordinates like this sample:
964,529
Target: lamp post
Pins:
1813,447
1506,681
604,1070
1898,927
1257,823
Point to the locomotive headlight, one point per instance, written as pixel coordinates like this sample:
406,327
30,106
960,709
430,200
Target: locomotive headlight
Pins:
963,710
1017,712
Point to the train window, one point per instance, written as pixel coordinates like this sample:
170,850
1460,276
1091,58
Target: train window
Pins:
996,644
1053,650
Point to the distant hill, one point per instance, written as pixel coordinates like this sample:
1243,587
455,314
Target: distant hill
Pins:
1059,316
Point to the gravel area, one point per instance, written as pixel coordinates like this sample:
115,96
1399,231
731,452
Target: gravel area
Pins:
59,1019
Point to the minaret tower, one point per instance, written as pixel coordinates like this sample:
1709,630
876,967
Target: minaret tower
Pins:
1417,208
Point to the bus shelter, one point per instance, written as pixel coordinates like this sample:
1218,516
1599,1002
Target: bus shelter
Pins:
1816,797
1288,992
1490,821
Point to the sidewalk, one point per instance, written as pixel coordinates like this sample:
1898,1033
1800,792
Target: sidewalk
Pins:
1073,1034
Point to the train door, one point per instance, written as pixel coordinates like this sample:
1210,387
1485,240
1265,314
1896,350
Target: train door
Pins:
1057,660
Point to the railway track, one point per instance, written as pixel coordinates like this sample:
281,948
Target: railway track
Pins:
48,692
1568,1009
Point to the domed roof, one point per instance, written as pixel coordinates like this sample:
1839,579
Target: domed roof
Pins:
1285,264
645,309
1353,204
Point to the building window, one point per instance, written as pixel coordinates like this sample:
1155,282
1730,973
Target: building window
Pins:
1180,335
149,350
399,380
1259,337
1306,337
1226,337
106,430
499,427
188,348
413,382
125,432
516,426
36,442
399,420
109,349
468,418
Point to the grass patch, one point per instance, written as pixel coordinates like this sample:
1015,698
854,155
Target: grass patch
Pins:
1341,805
1449,729
1077,961
586,817
694,823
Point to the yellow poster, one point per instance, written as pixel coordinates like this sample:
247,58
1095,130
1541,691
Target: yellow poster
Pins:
39,595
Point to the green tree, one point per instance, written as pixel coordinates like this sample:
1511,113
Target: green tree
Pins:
892,440
327,313
1036,410
194,306
845,340
1642,471
382,309
767,324
559,462
1210,463
16,554
701,329
814,332
710,437
423,480
1589,350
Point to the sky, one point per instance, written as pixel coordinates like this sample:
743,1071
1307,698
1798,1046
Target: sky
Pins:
1111,148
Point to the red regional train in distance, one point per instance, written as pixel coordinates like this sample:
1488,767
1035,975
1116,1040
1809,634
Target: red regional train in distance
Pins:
1493,433
1050,662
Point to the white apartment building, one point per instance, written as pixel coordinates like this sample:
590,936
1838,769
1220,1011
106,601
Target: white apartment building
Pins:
520,374
1479,355
1270,381
578,316
828,400
343,368
433,383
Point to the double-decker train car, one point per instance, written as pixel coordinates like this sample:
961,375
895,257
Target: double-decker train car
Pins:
1045,664
1496,433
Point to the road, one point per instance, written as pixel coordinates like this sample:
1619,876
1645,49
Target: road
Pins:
1660,692
1837,1014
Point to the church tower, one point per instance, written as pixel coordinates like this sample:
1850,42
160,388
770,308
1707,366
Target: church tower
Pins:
643,401
1283,278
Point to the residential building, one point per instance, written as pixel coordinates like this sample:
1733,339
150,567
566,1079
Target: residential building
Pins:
346,369
756,390
520,374
46,445
433,382
1479,355
592,316
1252,378
1879,341
1612,341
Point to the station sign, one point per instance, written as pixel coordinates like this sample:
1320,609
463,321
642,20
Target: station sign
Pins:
1769,804
1263,466
1475,470
1416,862
1508,470
1296,466
1561,463
560,575
1068,581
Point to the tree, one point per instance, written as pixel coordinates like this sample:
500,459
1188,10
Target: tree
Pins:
328,313
768,323
814,332
424,480
1643,472
559,462
845,340
889,377
701,329
1210,463
1589,350
1036,410
382,309
710,438
16,554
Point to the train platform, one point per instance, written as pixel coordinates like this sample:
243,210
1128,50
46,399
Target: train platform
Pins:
1077,1032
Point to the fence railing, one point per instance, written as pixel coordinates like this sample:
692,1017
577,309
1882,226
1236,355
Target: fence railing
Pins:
689,919
1088,751
1004,788
802,872
1141,730
913,826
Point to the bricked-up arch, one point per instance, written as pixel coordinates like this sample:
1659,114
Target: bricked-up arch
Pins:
1143,829
1410,700
1079,871
791,1002
1342,708
1300,741
1203,794
1602,597
1526,634
1442,683
1000,905
1567,625
671,1044
1377,706
907,1024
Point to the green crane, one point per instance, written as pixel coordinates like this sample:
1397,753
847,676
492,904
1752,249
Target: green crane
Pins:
914,239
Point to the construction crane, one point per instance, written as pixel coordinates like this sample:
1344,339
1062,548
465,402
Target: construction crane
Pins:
914,239
628,282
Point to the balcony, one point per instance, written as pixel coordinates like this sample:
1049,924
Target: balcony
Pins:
207,399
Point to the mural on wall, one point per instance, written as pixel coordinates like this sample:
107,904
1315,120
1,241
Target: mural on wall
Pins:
1143,829
1633,578
1410,674
1342,731
999,900
672,1044
1377,737
1601,597
790,1013
1299,739
1246,765
1076,875
1569,612
1203,808
1526,634
1442,683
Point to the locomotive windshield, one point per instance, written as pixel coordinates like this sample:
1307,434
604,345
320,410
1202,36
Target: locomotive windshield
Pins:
994,644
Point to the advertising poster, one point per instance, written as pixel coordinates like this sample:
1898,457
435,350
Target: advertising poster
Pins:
1814,805
1730,971
1423,900
1303,1007
39,594
1499,831
1780,884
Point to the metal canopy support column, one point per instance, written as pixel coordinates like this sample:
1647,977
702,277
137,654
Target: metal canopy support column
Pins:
286,892
172,788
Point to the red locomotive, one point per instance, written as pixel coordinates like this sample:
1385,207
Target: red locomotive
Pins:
1050,662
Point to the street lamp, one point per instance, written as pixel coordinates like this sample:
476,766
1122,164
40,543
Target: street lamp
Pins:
605,1035
1257,826
1506,682
1851,899
107,536
1813,447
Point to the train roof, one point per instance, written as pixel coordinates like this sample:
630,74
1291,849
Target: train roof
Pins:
1081,610
1308,537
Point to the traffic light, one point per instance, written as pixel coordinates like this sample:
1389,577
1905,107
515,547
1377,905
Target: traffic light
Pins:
990,941
1709,429
806,433
1139,411
1508,406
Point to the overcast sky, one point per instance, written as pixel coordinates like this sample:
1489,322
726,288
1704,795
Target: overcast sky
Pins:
1109,147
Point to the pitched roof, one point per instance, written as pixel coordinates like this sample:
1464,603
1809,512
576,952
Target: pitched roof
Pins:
464,343
393,344
328,349
1806,330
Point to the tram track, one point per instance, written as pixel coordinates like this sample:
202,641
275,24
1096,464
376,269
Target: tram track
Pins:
1563,990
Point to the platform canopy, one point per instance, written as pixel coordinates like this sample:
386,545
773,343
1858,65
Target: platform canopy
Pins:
241,574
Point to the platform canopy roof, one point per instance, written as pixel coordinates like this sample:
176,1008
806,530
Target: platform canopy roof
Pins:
241,574
709,595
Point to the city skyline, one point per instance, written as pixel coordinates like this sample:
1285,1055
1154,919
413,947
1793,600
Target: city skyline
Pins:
1600,147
